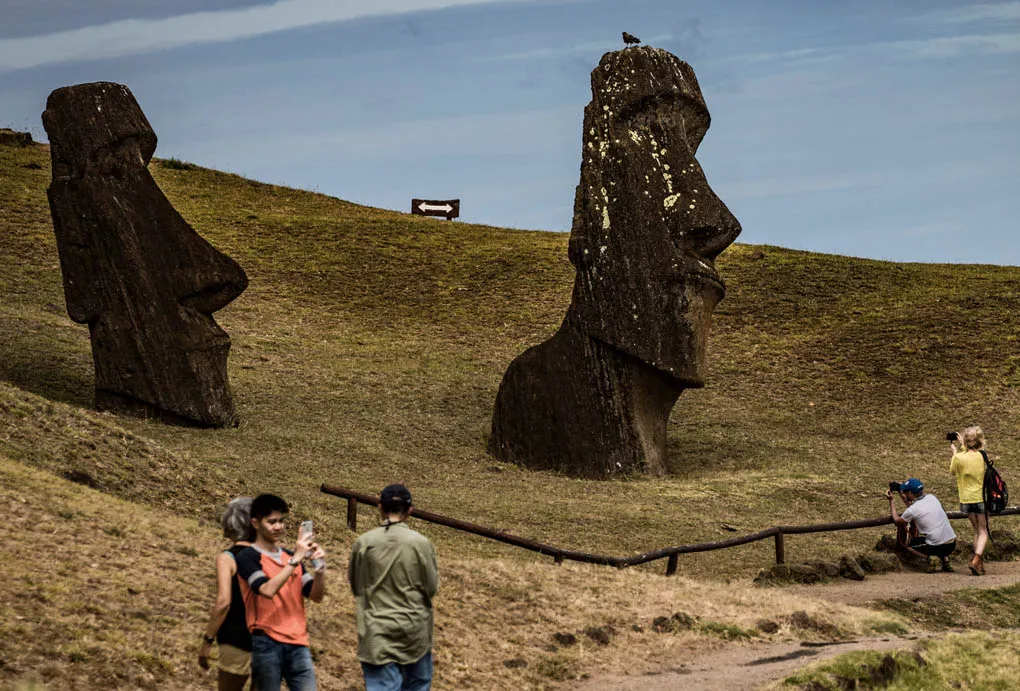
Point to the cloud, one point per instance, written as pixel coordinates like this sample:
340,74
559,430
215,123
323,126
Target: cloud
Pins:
593,47
133,36
527,132
952,172
923,48
999,11
954,46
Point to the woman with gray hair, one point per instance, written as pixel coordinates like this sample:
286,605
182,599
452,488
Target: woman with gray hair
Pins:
227,625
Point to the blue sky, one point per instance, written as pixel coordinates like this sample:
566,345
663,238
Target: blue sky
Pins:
871,128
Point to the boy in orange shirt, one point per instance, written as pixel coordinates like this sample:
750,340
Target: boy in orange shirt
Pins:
274,584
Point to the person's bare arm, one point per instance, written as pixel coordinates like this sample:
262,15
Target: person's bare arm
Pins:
226,569
270,588
892,509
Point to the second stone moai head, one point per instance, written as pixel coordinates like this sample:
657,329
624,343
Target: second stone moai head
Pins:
647,227
595,399
134,270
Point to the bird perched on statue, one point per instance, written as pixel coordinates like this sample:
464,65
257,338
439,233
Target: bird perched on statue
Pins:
630,39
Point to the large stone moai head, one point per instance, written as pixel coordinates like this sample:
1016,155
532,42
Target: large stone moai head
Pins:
134,270
595,399
647,227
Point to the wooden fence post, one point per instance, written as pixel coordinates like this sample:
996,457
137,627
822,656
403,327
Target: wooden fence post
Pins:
352,513
780,548
672,564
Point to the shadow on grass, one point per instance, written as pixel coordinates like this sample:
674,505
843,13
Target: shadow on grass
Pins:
50,372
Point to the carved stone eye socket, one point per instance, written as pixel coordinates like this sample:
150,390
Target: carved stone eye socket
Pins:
663,113
120,157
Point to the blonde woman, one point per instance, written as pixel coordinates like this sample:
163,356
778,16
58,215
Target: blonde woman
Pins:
968,466
227,626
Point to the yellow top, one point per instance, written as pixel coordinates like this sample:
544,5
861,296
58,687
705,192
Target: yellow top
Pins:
969,469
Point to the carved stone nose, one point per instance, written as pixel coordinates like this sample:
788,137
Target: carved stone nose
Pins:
713,228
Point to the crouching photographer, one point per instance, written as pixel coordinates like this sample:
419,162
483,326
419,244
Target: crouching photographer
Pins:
937,539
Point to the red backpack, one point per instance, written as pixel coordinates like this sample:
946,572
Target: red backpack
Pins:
995,494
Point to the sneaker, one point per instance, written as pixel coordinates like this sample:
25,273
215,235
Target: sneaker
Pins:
933,564
946,566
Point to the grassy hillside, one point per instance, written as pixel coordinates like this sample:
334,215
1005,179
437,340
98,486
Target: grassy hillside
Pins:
370,345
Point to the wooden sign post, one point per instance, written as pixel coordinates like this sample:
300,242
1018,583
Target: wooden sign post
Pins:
447,208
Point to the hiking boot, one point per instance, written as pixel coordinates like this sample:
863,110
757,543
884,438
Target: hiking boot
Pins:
976,565
946,566
933,564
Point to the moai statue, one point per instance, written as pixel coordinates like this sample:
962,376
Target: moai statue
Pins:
594,400
134,270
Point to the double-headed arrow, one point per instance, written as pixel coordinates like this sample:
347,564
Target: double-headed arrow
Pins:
445,208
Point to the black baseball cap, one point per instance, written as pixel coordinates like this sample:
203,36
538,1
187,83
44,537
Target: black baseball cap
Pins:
395,496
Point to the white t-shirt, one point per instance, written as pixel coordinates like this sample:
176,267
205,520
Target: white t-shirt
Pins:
931,520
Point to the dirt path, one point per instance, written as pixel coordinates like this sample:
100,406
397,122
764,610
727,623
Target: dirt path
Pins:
751,666
909,585
746,667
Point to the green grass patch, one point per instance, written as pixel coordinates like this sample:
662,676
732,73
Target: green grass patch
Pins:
977,607
977,661
727,632
177,164
886,627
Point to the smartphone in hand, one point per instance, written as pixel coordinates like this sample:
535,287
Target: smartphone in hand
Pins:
307,528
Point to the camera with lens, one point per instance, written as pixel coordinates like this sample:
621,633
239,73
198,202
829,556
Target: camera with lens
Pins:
952,436
894,486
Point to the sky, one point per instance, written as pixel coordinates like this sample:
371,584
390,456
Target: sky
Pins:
878,129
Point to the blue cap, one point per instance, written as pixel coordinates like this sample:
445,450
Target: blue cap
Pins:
913,485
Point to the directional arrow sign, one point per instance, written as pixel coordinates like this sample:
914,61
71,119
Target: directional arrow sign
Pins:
447,208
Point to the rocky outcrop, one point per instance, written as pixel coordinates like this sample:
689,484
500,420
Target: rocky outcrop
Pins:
9,137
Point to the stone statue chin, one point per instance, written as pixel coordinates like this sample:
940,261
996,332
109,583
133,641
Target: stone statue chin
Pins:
134,270
594,400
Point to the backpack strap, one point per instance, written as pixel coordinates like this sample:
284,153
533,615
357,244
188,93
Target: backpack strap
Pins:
984,498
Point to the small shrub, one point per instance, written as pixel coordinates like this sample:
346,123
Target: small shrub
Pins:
893,628
555,668
727,632
680,621
178,164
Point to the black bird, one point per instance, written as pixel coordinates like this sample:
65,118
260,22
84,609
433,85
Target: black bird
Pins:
630,38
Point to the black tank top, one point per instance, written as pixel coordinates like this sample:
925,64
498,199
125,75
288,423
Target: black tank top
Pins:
234,629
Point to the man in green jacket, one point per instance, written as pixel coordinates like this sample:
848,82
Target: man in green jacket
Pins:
394,576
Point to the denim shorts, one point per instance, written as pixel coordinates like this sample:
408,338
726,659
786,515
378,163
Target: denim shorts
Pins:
973,508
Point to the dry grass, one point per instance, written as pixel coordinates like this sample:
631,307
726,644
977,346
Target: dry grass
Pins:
369,348
117,594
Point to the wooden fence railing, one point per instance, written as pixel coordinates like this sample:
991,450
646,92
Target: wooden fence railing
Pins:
671,554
